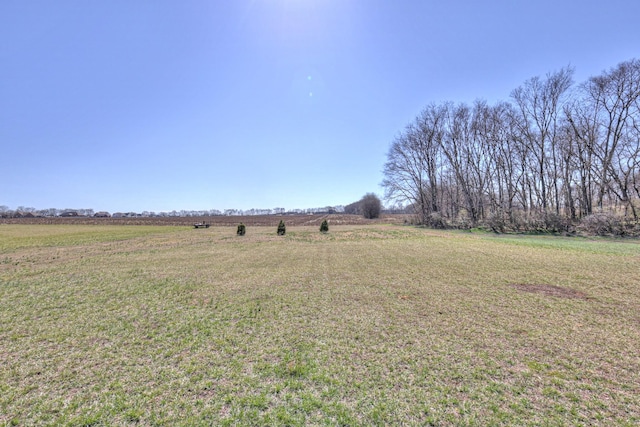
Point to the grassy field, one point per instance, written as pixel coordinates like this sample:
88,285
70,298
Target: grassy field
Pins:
366,325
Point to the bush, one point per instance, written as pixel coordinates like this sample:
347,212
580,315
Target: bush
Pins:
461,222
281,228
241,229
602,224
437,221
497,222
556,223
324,227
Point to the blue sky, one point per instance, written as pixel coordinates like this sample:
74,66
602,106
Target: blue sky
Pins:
160,105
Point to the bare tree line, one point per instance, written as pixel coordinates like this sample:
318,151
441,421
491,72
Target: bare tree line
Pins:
553,154
21,211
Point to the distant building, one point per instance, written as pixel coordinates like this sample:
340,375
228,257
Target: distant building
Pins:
68,214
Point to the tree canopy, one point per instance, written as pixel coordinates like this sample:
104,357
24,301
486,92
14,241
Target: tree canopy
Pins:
554,152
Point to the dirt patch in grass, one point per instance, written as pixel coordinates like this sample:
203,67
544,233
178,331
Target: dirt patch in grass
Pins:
551,290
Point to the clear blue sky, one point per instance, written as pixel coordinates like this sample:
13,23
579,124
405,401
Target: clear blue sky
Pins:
159,105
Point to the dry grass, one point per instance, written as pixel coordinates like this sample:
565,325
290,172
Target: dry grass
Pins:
365,325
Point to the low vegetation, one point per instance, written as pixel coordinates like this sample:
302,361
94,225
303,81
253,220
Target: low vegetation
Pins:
366,325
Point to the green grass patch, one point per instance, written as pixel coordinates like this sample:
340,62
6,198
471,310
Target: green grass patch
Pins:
364,325
25,236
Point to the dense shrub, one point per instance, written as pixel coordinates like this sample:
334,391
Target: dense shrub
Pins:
497,222
241,229
436,221
602,224
462,222
556,223
324,227
281,228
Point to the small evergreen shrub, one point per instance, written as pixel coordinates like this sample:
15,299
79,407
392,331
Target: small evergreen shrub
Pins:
241,229
281,228
324,227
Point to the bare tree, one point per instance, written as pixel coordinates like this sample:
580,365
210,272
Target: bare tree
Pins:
581,138
405,175
538,102
414,162
551,152
614,98
371,206
459,149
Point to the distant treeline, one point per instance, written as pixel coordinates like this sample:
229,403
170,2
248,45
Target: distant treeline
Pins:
21,212
553,155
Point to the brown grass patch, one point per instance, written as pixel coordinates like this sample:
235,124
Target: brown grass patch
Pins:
551,290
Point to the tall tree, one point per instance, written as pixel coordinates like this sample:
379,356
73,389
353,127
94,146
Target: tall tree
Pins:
614,96
549,153
459,149
539,104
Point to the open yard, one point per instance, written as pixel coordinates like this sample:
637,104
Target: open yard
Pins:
366,325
